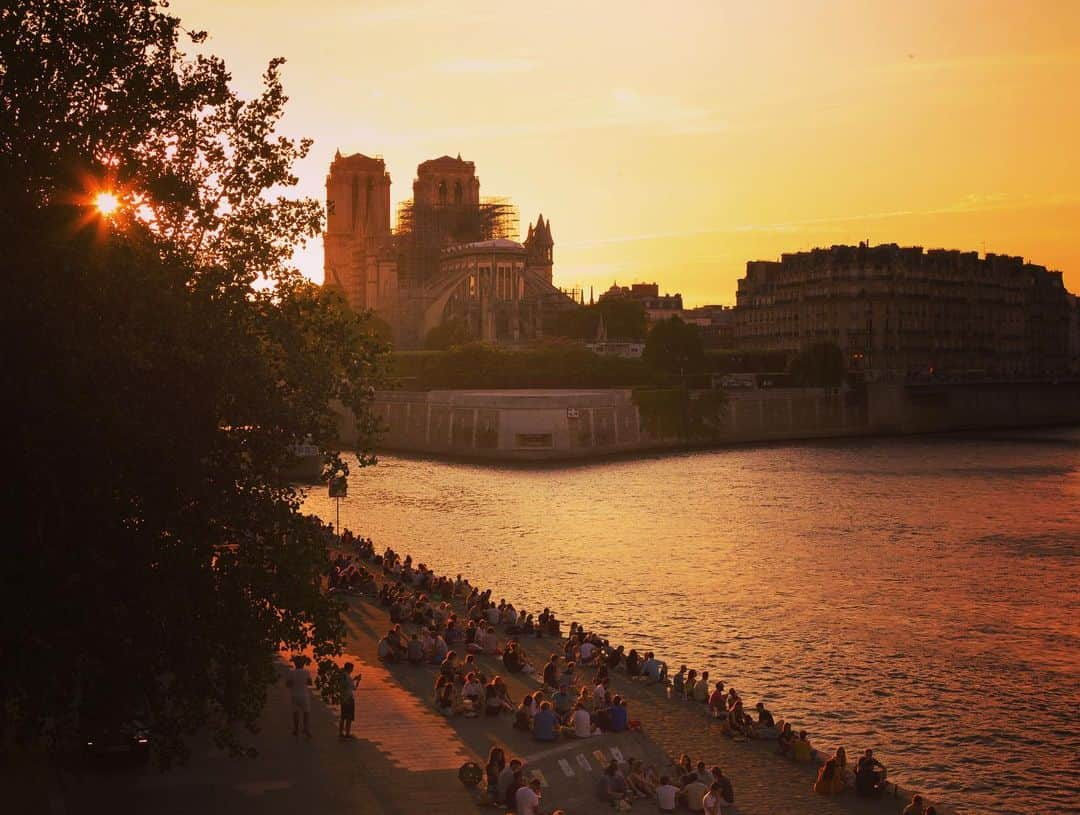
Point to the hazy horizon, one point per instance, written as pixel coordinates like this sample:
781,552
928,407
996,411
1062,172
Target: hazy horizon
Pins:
674,147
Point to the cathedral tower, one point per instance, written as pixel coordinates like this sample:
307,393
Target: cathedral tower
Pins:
540,248
357,255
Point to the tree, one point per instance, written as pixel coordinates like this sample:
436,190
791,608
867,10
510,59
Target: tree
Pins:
820,365
446,335
624,319
155,548
674,346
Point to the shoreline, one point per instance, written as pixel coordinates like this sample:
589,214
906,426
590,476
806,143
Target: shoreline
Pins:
677,726
663,452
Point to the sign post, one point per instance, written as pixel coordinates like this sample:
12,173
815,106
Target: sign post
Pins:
339,488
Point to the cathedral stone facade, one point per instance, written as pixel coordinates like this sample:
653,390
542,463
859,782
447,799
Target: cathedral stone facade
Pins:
453,256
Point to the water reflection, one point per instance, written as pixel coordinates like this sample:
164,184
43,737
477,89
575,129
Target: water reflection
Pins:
916,595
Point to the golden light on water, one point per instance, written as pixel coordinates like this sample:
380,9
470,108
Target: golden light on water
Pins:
106,203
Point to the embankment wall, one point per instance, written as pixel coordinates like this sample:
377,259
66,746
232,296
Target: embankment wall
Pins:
536,425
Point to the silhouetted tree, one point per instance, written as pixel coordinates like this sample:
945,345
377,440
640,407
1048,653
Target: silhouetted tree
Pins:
624,319
820,365
674,346
154,546
446,335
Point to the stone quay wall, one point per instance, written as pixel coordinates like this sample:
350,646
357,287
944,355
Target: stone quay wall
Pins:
553,425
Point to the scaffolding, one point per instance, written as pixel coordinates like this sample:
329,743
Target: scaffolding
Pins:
424,230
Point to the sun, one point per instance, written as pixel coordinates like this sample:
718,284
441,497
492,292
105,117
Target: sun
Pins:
106,203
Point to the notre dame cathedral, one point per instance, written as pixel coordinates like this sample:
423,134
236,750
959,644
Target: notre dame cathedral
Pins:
454,255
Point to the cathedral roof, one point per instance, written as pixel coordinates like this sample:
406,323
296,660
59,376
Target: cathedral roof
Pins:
358,161
499,244
446,163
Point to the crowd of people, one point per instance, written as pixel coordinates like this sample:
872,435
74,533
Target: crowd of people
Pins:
454,622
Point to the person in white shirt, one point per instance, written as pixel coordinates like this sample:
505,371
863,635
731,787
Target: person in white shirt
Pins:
582,722
710,804
298,681
667,795
586,651
528,798
701,689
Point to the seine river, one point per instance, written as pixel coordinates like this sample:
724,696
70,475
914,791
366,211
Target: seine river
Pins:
918,596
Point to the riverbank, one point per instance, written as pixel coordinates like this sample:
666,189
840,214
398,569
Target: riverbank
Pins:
874,590
574,425
764,782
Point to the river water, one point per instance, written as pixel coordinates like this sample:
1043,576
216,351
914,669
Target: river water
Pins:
918,596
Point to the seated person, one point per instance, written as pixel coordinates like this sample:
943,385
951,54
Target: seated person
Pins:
727,792
444,697
566,678
545,723
551,672
386,651
869,775
764,717
618,717
786,740
667,795
489,642
633,663
522,719
692,793
415,651
678,682
562,704
581,723
512,658
448,667
587,653
653,669
701,689
472,692
611,786
496,698
636,779
717,702
829,780
800,748
689,684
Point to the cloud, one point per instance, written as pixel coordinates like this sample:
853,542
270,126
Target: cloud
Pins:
973,202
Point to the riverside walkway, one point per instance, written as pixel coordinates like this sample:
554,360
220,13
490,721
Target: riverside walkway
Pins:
405,756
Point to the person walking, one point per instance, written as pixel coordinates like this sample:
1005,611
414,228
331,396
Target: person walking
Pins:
298,681
347,684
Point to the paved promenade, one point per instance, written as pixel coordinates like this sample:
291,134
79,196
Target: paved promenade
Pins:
406,757
764,782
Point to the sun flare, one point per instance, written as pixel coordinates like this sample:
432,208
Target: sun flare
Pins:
106,203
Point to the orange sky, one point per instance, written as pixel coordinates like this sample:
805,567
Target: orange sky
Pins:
675,141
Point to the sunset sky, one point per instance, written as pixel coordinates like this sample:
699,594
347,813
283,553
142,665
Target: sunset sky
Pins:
672,142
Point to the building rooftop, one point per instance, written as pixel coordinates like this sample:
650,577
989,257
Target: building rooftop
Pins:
499,244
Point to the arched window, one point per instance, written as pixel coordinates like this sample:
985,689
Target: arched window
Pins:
355,200
442,192
457,192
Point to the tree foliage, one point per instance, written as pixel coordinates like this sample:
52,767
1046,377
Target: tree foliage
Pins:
446,335
551,365
675,346
156,548
624,319
820,365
